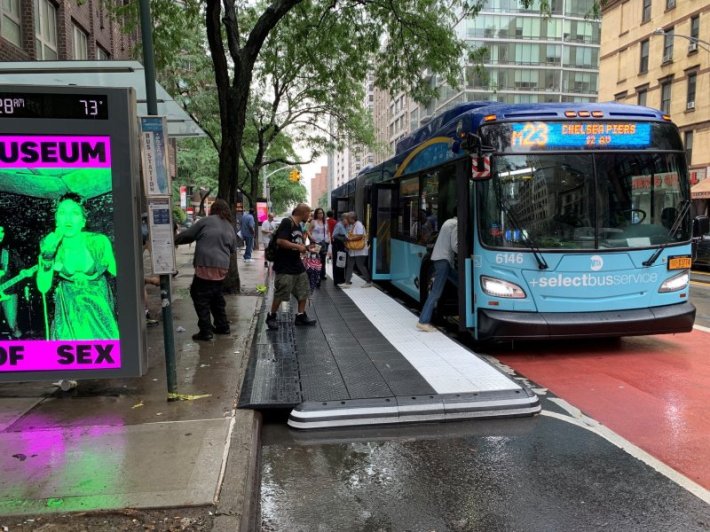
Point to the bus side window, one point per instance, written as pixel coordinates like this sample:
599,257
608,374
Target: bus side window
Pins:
408,209
447,193
429,212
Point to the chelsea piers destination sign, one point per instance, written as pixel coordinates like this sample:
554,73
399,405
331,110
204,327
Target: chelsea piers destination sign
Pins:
71,264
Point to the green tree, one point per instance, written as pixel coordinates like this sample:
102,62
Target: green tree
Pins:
285,194
398,39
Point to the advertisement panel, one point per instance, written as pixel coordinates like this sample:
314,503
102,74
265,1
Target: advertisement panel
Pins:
262,211
69,272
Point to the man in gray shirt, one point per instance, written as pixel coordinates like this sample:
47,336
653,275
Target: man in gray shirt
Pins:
442,258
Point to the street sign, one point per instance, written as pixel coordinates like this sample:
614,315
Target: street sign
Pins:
154,156
162,237
71,280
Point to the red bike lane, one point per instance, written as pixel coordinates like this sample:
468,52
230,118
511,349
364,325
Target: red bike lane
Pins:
652,390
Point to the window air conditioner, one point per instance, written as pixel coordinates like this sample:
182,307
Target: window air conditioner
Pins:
692,47
690,105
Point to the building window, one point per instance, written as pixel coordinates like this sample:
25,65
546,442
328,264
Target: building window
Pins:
10,21
643,64
694,33
666,96
641,95
45,30
688,143
692,81
670,4
101,54
646,13
81,43
668,37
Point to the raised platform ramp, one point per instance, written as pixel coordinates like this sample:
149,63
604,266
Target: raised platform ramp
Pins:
365,363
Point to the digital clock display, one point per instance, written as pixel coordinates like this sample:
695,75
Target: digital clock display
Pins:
42,105
567,135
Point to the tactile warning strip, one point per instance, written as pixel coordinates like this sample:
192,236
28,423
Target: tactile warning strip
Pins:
272,377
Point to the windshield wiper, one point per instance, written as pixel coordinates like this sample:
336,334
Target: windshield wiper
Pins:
541,264
672,231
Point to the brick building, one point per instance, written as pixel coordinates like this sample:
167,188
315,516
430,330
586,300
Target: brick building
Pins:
60,30
657,53
319,186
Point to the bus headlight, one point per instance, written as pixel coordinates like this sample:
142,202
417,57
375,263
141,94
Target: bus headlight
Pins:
675,283
499,288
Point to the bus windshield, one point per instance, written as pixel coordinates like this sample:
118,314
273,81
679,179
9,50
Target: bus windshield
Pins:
585,200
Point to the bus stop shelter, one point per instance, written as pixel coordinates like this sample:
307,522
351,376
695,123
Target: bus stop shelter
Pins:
101,74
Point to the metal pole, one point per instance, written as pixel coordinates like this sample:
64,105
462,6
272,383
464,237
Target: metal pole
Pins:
152,104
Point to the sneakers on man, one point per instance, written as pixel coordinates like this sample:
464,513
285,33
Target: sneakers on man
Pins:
271,322
367,285
426,327
343,285
303,319
202,336
221,330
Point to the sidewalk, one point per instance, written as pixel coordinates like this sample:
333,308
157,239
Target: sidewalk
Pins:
117,444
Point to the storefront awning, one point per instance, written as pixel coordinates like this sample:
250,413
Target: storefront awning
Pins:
101,74
701,190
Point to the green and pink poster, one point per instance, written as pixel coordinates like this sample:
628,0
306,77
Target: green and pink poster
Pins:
59,259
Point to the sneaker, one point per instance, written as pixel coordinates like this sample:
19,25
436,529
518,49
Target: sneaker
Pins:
426,327
343,285
303,319
149,322
221,330
367,285
271,322
202,336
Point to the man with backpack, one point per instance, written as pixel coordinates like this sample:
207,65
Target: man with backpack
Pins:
291,277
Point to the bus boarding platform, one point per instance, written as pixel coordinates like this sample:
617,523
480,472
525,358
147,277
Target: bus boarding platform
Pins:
365,363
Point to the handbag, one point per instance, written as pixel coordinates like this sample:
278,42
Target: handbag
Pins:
341,259
357,245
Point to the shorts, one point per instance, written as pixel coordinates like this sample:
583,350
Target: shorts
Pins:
286,284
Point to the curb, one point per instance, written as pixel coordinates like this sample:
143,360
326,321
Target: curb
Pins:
237,505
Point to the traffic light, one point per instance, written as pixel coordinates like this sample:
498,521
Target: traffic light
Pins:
295,176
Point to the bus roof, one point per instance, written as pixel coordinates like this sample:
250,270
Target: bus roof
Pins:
472,114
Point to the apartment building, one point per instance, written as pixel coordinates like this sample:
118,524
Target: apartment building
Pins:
59,30
657,53
525,57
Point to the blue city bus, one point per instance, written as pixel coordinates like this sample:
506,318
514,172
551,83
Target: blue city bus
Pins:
573,219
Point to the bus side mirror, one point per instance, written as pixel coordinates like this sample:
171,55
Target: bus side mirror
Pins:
701,225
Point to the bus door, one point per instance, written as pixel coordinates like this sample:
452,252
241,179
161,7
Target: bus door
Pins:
383,220
465,263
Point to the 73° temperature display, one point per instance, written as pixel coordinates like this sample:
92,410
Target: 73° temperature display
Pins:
43,105
566,135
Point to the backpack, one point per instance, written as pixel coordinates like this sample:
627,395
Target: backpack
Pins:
270,251
272,248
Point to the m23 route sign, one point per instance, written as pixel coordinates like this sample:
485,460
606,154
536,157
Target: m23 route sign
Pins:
570,135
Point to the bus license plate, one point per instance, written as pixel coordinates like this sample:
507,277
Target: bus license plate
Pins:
679,263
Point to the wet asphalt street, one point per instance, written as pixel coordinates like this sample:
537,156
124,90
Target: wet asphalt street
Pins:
553,472
534,474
